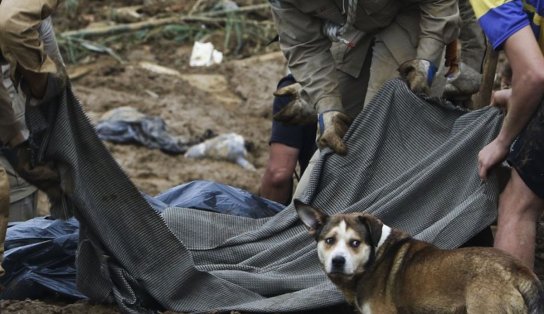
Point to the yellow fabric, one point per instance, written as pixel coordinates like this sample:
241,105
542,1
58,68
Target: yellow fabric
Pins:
482,6
538,20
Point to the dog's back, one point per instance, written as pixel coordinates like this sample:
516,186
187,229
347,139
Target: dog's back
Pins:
533,295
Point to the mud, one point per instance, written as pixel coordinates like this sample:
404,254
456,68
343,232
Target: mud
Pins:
234,96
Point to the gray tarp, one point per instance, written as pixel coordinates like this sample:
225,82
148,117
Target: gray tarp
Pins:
411,163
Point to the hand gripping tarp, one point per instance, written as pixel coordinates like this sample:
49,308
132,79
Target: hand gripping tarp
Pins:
411,163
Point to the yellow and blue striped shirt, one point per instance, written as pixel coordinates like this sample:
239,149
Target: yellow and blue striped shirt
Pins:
500,19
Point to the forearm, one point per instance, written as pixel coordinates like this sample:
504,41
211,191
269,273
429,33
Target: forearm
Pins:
527,64
308,55
317,76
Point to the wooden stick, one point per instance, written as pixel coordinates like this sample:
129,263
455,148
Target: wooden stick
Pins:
247,8
121,28
483,97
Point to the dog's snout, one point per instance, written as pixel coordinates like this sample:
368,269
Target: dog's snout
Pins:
338,262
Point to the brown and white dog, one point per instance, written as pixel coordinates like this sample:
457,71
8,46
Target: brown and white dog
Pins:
383,270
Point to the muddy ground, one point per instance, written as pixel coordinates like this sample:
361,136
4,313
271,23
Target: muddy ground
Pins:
234,96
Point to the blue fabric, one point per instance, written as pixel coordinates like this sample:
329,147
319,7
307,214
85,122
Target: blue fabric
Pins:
148,131
217,197
501,22
40,253
501,19
40,260
431,73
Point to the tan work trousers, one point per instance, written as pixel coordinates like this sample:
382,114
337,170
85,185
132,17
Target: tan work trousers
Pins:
473,45
352,91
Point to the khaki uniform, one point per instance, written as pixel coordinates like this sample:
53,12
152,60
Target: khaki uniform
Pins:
20,42
12,108
9,125
404,30
20,46
472,38
23,194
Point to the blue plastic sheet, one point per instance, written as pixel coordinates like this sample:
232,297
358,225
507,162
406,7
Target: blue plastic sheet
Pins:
127,125
40,253
39,260
216,197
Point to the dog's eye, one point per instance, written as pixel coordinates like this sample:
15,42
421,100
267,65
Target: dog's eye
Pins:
329,241
355,243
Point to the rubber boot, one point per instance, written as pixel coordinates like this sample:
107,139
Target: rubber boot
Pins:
4,213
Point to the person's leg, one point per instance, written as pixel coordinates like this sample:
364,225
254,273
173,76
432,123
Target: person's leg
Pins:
353,89
285,143
522,201
277,181
472,38
519,211
383,67
353,92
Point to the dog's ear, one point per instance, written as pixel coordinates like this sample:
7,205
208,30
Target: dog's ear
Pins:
312,217
374,226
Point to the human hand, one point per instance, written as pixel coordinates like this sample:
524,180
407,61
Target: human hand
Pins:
500,98
331,128
418,74
492,154
452,59
297,111
44,176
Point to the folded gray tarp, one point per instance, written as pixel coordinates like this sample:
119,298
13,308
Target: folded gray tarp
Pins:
411,163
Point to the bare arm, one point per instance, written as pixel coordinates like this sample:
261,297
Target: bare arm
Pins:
527,92
527,64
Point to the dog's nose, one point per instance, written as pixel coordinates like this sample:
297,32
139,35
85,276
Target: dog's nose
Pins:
338,262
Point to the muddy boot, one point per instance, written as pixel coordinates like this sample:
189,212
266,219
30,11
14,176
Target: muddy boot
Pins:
4,212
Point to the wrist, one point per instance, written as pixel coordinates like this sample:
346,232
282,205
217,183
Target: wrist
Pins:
504,140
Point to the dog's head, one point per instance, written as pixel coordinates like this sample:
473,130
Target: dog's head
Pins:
346,243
